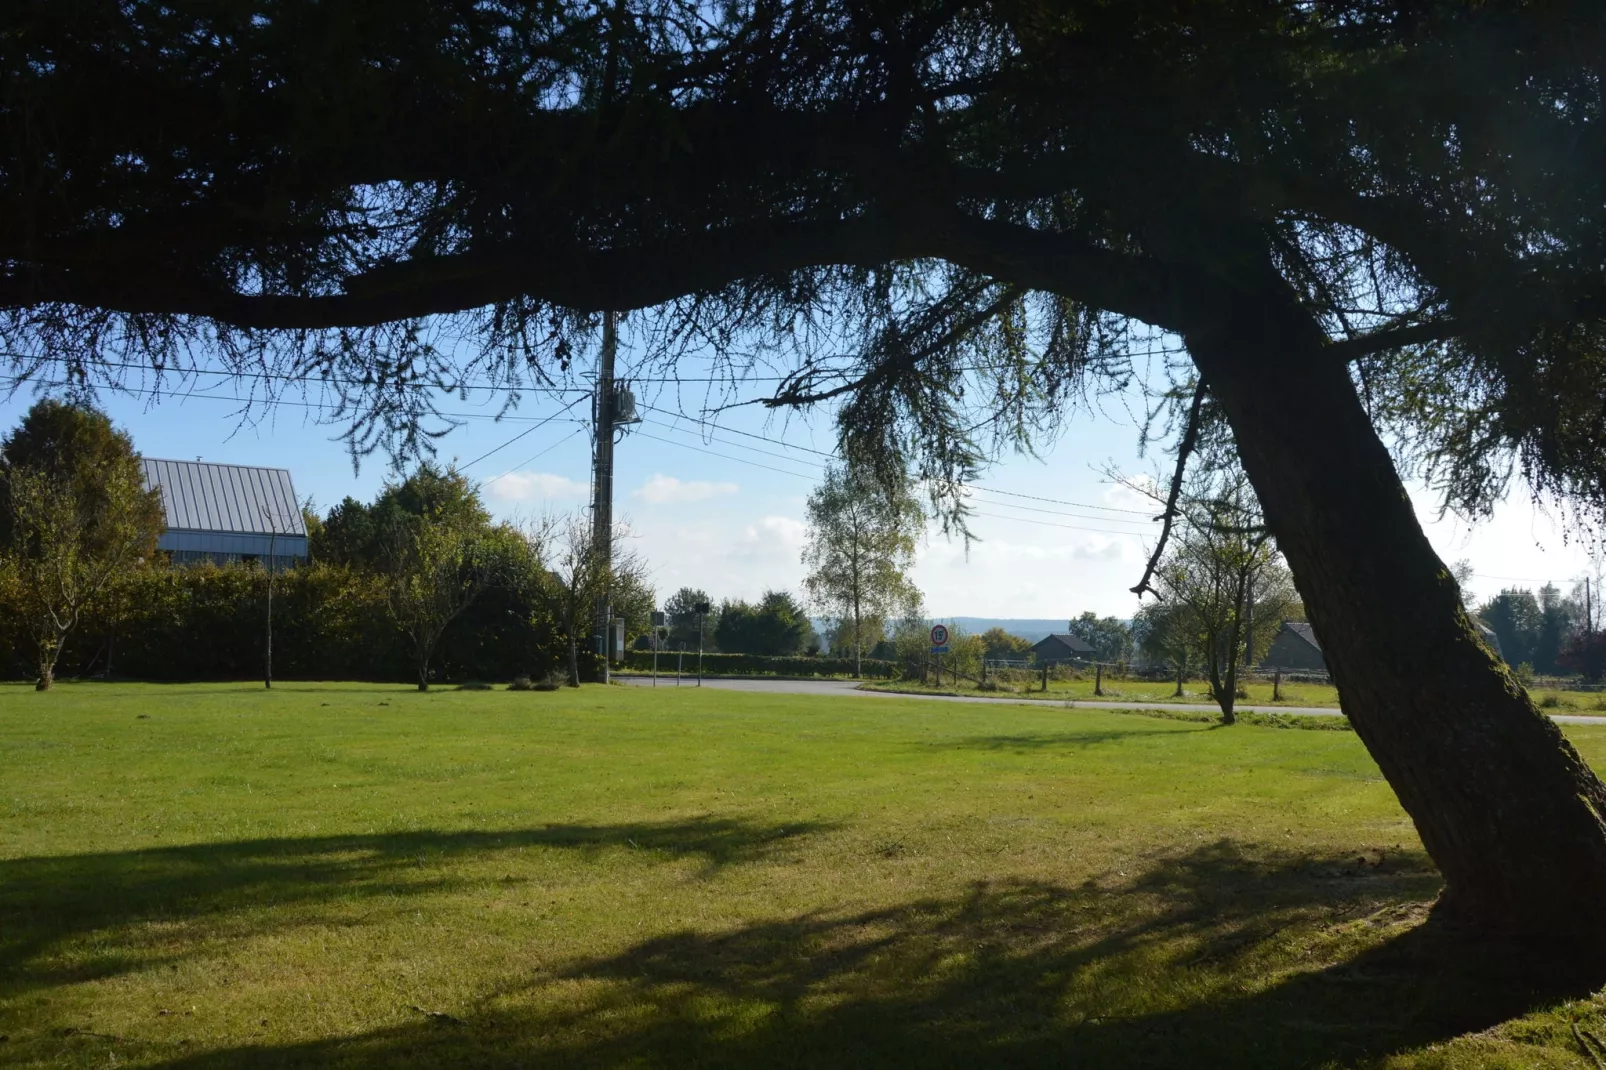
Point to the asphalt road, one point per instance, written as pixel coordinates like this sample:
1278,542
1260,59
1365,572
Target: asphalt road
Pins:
848,687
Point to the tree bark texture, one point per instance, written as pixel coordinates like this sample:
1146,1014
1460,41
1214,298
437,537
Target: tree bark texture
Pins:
1505,806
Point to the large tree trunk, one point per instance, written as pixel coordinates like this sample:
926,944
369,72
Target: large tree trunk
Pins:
1505,806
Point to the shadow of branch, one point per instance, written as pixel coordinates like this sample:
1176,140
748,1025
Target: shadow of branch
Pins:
49,903
1223,956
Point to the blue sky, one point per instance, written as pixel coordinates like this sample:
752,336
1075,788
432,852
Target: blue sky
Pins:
722,508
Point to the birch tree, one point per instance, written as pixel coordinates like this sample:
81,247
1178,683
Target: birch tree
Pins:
861,545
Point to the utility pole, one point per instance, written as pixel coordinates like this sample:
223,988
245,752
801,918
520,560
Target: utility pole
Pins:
602,486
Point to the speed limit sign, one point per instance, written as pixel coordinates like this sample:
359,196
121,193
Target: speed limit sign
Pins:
939,638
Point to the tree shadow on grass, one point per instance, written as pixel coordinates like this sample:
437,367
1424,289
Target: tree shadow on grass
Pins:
146,898
1040,741
1219,957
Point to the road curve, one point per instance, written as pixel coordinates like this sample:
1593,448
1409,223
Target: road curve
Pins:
850,688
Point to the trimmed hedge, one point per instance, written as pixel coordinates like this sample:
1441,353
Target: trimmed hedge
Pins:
206,622
758,665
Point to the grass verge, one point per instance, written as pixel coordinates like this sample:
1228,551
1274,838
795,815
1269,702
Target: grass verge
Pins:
357,876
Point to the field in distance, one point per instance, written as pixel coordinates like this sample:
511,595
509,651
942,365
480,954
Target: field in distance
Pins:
214,876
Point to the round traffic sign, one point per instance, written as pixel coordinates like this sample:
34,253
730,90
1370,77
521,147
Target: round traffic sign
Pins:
939,635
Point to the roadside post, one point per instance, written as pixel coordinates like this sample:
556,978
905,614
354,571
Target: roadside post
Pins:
702,611
1098,678
657,627
939,647
680,659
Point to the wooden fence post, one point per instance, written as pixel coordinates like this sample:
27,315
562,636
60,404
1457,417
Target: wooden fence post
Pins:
1098,678
1277,685
1045,677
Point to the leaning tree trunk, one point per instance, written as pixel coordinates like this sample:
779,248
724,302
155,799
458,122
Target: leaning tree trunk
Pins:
1504,805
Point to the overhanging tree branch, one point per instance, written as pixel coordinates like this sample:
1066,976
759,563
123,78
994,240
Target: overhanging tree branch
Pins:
1190,438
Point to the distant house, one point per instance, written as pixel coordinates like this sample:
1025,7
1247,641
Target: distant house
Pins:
1295,648
228,512
1060,649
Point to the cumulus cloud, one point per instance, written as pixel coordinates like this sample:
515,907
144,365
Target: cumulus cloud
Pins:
535,486
663,490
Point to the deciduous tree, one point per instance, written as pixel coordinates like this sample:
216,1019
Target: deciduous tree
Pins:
859,550
436,571
776,626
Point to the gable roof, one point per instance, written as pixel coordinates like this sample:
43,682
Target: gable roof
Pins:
236,498
1071,644
1304,631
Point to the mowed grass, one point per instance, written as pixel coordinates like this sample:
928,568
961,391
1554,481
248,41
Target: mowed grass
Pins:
1193,691
330,875
1259,692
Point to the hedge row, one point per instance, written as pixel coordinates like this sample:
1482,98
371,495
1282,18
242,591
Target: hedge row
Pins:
758,665
329,623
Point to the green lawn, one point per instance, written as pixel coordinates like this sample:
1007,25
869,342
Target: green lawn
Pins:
1196,692
214,876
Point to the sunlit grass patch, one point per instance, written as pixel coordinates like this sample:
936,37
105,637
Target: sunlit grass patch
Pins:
214,876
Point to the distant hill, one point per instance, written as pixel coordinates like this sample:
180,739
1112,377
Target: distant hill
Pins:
1029,630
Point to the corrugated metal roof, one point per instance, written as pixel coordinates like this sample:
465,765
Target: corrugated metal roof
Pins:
200,496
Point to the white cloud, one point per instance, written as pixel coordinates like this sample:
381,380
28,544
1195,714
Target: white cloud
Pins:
663,490
1139,496
535,486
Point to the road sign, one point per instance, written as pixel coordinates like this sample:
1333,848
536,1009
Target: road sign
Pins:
939,635
939,650
657,619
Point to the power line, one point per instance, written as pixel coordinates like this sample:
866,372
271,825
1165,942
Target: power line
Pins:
273,402
1147,514
521,434
723,456
530,460
1052,524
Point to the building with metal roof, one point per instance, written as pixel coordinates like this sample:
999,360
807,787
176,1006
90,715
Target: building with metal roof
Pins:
228,512
1062,648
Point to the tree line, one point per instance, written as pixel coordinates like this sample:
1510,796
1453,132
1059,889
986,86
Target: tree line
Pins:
417,584
1550,632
